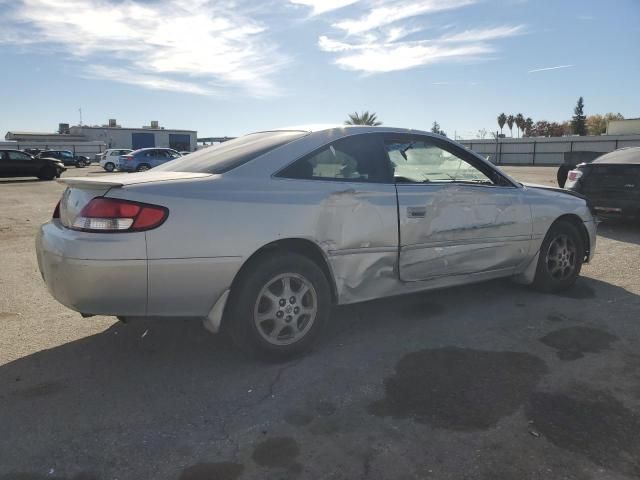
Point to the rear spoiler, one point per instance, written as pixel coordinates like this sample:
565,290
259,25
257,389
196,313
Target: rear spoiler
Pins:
124,179
88,182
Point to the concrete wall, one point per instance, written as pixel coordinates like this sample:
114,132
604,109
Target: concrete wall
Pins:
121,137
546,150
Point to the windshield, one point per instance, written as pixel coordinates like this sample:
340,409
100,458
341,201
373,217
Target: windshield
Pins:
231,154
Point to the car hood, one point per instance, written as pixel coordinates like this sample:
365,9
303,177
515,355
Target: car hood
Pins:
555,189
52,160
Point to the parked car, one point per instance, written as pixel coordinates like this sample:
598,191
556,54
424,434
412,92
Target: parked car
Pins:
66,157
146,158
14,163
611,183
571,160
262,234
109,158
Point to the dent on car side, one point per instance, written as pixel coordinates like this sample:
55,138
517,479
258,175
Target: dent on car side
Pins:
217,222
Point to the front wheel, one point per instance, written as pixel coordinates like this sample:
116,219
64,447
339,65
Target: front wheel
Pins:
279,306
47,173
561,257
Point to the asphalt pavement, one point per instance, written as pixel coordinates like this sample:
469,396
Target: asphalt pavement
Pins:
490,381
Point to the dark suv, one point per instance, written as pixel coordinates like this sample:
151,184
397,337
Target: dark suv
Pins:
66,157
14,163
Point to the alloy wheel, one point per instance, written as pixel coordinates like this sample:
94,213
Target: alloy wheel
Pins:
285,309
561,257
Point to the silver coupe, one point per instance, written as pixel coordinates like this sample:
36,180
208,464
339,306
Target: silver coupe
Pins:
261,235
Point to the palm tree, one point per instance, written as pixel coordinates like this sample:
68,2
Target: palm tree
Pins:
365,118
510,120
520,123
528,126
502,119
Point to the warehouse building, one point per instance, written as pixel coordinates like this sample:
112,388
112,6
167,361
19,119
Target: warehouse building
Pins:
112,135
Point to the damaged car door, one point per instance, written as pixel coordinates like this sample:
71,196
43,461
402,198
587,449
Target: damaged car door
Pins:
457,214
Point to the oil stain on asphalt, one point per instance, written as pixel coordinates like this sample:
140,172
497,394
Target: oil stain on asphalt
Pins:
37,476
591,423
212,471
276,452
573,342
459,388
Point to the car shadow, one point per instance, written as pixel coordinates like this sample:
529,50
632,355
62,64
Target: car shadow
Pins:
4,181
155,388
623,231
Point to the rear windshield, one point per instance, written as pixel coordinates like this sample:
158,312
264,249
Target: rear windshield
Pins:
231,154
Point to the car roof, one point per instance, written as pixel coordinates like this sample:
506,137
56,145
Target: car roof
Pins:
627,155
348,129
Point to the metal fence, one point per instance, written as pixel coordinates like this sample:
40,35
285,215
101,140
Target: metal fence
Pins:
88,149
546,151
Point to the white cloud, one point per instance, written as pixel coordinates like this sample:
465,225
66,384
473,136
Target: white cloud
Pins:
378,41
405,55
545,69
322,6
481,35
123,75
392,11
195,46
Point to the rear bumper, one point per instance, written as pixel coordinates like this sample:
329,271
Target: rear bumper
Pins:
99,286
109,274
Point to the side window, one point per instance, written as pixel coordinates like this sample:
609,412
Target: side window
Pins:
358,158
420,161
150,154
18,156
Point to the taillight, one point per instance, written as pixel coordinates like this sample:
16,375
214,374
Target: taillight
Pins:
128,158
114,215
574,175
56,211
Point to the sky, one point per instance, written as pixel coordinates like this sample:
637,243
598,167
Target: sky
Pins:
229,67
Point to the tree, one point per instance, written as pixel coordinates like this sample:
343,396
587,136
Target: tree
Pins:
528,126
520,123
510,120
365,118
482,133
435,128
578,121
597,124
502,119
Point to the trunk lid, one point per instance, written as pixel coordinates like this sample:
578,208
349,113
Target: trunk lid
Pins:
81,190
611,182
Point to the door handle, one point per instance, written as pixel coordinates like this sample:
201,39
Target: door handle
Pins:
416,212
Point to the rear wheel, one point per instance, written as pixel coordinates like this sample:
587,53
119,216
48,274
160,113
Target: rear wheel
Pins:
143,167
561,258
47,173
109,166
279,306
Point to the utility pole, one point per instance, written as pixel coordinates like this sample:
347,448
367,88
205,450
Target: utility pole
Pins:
80,111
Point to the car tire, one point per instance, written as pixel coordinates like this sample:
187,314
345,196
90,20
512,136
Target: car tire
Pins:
143,167
562,174
109,166
47,173
560,259
270,318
